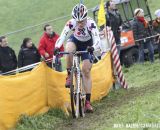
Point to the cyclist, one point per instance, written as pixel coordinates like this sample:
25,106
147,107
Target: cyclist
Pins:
84,36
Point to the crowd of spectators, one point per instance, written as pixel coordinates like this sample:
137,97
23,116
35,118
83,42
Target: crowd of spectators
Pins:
30,54
140,27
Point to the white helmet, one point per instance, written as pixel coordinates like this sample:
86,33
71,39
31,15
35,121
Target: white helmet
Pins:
157,13
79,12
138,12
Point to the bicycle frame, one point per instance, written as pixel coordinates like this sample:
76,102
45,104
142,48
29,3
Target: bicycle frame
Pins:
78,89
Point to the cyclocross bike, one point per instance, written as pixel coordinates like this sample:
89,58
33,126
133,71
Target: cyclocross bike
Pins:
77,92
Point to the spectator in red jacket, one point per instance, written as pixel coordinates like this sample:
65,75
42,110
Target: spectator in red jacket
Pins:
47,44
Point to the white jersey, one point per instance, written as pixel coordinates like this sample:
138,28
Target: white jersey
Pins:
89,31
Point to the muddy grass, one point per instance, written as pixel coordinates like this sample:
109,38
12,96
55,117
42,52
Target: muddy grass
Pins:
109,108
139,104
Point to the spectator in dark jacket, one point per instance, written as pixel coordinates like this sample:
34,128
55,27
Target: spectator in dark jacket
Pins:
28,53
47,44
8,60
114,20
141,30
156,27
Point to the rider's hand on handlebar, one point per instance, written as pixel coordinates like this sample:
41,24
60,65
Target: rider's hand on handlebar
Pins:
90,49
56,50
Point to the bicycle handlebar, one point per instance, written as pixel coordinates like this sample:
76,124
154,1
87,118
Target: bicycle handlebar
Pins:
74,53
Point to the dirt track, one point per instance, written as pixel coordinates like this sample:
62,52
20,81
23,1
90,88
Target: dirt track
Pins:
104,109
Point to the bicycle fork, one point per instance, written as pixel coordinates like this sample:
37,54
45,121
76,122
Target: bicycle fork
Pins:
77,84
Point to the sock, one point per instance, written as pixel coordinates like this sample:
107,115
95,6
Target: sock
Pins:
69,71
88,97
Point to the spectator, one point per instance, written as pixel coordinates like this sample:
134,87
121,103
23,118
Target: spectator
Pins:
141,30
156,27
47,44
8,60
114,21
28,53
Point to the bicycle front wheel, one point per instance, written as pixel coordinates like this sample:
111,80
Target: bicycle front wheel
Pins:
77,100
72,95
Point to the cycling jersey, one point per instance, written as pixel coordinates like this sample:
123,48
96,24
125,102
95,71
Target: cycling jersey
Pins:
90,31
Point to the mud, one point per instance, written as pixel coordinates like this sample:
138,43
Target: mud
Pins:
104,109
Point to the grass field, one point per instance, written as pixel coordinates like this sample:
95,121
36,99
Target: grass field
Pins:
139,104
19,14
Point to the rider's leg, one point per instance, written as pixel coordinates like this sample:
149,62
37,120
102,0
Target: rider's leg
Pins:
70,47
86,69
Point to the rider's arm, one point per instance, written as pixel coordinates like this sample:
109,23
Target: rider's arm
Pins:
95,35
67,29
